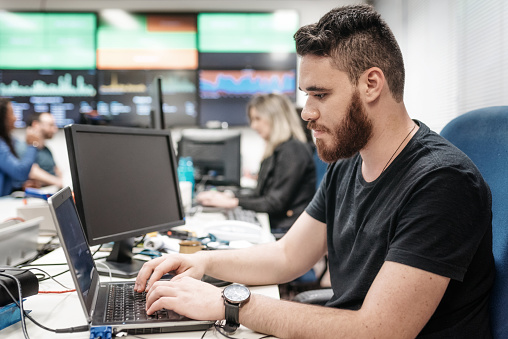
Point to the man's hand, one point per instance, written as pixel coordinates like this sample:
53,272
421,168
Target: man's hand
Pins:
34,137
192,265
188,297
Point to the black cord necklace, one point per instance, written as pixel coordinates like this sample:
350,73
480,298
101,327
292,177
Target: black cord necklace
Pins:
411,131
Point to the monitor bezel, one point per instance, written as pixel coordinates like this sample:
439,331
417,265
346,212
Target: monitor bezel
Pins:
214,136
71,132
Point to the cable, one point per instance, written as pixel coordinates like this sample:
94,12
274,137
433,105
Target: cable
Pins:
83,328
57,292
49,276
108,268
219,327
97,250
20,305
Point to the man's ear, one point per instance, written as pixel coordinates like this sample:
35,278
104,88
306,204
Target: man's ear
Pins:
373,81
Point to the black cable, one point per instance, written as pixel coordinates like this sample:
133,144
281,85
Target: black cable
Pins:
20,305
49,276
53,276
219,327
83,328
97,250
204,333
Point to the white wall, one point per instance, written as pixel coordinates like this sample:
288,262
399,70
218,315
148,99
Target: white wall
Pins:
455,53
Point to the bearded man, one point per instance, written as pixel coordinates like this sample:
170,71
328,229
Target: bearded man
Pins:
403,215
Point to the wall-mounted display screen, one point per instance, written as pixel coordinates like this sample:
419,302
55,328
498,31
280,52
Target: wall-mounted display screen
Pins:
124,97
47,40
247,32
65,94
224,94
146,41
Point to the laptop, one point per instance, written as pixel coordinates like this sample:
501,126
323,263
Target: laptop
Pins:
98,299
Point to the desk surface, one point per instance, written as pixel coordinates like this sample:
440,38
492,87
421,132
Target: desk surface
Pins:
62,310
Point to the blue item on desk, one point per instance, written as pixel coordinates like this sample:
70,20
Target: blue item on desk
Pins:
9,315
36,193
101,332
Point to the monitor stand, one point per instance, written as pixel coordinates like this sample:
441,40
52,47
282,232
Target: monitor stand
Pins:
120,262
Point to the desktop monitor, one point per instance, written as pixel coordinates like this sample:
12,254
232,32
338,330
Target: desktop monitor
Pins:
215,155
125,185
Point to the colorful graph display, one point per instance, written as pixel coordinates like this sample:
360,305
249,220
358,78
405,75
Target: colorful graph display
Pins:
47,40
245,83
149,42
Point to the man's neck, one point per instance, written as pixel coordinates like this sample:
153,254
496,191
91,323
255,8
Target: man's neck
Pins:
388,140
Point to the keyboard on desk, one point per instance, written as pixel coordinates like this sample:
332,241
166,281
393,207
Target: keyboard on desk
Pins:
125,305
240,214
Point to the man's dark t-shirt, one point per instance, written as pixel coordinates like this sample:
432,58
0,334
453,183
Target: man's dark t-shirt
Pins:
430,209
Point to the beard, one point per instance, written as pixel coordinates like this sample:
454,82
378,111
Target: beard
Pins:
348,137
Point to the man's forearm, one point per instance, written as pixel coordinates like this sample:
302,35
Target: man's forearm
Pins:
285,319
272,263
257,265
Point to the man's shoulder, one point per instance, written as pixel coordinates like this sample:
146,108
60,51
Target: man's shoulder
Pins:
437,151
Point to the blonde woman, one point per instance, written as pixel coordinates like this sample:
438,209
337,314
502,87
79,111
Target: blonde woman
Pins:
287,175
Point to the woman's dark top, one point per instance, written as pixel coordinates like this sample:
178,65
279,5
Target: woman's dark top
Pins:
286,184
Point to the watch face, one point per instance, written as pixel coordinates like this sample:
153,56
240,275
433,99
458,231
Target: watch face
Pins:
236,293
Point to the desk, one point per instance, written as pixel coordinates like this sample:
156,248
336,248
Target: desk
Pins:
64,310
58,311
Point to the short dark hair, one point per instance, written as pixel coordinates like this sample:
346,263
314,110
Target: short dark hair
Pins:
356,38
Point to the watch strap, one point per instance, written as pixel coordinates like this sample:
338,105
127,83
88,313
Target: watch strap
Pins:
232,316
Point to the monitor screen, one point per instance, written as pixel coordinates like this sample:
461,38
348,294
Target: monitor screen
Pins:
65,94
125,181
146,41
47,40
215,155
224,94
125,98
247,32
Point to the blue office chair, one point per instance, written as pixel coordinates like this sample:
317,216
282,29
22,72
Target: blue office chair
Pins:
483,135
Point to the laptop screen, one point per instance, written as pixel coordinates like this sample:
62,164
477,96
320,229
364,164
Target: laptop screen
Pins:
76,248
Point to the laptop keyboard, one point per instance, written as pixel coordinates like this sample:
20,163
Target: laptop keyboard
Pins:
242,215
125,305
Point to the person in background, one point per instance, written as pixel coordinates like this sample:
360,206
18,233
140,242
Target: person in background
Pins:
287,175
404,215
44,171
12,168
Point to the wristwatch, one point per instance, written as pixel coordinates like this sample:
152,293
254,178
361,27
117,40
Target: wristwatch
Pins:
235,296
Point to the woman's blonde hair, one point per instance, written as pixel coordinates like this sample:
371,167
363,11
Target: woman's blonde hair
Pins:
282,117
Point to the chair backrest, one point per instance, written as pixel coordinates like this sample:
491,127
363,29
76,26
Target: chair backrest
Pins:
483,135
